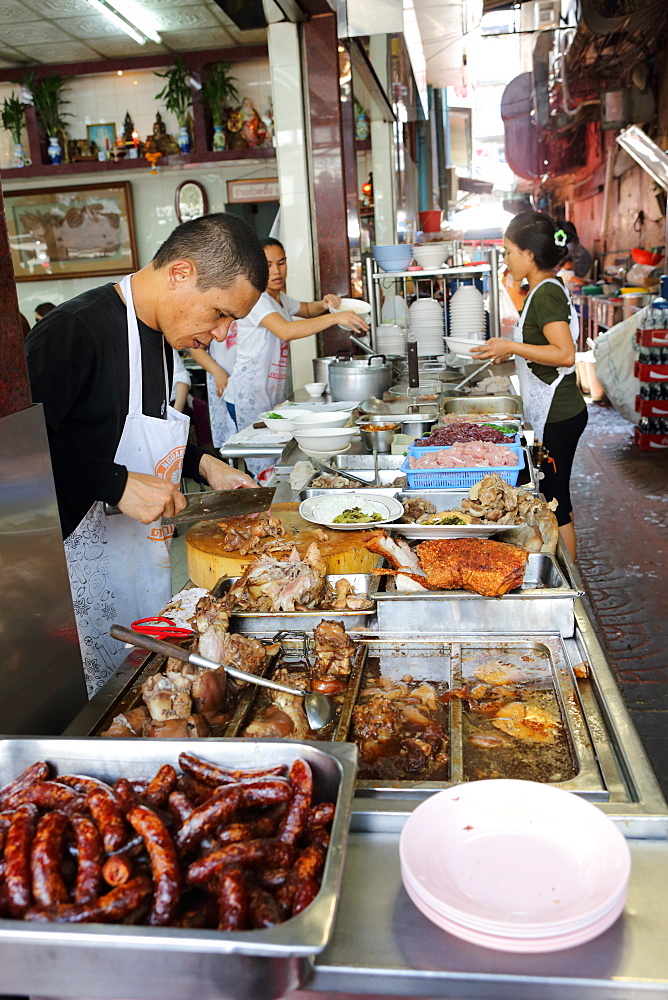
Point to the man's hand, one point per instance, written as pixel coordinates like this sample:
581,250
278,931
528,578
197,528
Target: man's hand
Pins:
146,498
221,476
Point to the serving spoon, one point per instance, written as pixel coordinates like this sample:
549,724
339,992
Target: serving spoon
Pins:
319,709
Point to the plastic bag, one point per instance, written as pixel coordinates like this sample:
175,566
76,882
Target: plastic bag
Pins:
615,355
508,314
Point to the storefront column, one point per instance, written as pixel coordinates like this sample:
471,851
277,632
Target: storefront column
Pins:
383,151
14,386
291,157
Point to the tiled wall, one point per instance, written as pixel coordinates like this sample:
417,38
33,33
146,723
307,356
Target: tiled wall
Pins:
108,97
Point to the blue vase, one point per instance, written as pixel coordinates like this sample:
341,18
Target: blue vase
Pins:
218,138
54,150
184,139
19,155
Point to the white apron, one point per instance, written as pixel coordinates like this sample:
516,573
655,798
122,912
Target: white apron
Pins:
537,395
119,569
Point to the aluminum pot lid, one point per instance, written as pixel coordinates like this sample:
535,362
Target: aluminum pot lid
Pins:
375,362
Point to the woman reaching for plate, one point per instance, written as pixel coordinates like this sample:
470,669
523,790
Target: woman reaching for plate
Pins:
543,345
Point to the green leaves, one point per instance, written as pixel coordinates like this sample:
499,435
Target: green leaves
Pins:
13,116
176,94
48,100
218,90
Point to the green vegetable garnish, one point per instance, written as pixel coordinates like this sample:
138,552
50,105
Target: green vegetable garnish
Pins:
276,416
355,516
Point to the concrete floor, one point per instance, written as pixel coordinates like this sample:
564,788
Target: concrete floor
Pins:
620,502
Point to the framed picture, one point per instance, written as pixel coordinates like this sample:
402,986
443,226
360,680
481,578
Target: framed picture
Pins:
103,135
79,231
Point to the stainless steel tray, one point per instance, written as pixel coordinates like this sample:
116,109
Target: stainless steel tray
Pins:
105,960
510,405
362,461
544,602
252,622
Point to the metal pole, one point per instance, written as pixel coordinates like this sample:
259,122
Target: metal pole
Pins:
373,295
494,319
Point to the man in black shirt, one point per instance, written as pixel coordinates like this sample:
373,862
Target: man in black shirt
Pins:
209,272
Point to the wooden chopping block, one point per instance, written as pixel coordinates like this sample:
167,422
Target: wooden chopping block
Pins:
208,562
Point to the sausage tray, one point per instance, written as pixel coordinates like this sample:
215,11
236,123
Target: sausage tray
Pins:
545,601
123,961
254,622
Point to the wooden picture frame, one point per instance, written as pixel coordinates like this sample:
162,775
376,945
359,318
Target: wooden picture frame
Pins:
190,201
103,135
77,231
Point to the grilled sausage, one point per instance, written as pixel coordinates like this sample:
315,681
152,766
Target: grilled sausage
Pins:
304,895
321,815
208,816
47,850
89,867
180,806
293,823
108,909
250,853
117,870
125,795
49,795
212,774
17,859
164,864
109,819
36,772
232,899
262,908
159,787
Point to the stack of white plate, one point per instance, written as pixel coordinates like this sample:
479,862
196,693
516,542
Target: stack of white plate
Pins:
427,322
467,312
390,339
515,865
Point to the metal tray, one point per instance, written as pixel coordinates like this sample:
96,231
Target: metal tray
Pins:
252,622
444,500
106,960
510,405
544,602
362,461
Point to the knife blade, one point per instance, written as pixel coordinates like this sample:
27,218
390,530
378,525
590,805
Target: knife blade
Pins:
218,503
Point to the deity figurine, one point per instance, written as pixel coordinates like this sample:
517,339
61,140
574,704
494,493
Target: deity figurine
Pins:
159,141
268,122
252,126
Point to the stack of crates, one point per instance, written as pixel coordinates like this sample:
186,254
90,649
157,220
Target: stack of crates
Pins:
651,369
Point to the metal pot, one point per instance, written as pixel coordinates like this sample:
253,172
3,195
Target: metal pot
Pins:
418,424
321,369
359,378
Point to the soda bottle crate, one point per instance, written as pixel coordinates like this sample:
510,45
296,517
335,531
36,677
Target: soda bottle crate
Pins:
652,338
651,407
649,442
650,373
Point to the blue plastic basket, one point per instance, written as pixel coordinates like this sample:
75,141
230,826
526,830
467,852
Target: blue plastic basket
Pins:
451,479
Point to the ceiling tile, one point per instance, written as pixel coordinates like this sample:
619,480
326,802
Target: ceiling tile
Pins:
57,8
121,46
69,51
88,27
30,33
191,40
183,18
160,5
12,11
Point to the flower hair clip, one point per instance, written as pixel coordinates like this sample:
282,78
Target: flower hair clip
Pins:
560,238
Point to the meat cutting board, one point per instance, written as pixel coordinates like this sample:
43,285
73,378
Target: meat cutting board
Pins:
208,562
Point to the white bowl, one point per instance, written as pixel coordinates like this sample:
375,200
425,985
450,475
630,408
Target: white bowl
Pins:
309,421
283,422
358,306
315,388
323,509
324,438
462,346
325,456
428,256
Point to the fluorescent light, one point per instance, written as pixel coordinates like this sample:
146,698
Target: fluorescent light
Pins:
129,18
645,152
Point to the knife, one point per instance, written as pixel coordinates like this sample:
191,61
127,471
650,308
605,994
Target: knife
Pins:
217,503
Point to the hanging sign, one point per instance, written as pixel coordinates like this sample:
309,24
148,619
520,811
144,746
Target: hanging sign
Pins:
260,190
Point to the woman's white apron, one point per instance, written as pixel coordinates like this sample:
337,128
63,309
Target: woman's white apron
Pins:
119,569
537,395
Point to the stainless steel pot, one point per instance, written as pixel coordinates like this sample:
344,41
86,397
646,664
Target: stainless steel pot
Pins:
359,378
321,369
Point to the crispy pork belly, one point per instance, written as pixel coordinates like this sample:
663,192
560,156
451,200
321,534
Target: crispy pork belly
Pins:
477,564
397,552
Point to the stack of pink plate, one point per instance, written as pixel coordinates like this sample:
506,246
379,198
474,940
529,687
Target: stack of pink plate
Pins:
515,865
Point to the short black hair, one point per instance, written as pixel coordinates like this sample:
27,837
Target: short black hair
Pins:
43,308
269,241
536,231
221,246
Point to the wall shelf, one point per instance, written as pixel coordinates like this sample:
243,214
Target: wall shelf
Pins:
178,161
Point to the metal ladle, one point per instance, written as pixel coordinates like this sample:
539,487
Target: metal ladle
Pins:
319,709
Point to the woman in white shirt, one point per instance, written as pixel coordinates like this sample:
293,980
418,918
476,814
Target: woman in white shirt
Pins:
260,379
217,360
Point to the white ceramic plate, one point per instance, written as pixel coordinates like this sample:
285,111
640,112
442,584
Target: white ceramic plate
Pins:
322,510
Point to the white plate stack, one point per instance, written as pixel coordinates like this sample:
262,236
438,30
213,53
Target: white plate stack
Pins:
467,312
427,322
515,866
390,339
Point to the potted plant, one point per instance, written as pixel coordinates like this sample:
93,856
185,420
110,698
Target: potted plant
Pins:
177,95
218,90
13,119
48,100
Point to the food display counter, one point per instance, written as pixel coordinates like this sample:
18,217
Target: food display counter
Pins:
377,942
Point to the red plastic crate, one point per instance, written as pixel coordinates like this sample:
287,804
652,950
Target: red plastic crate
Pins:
650,373
649,442
651,407
652,338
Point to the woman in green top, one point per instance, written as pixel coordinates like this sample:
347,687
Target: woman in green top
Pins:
544,349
